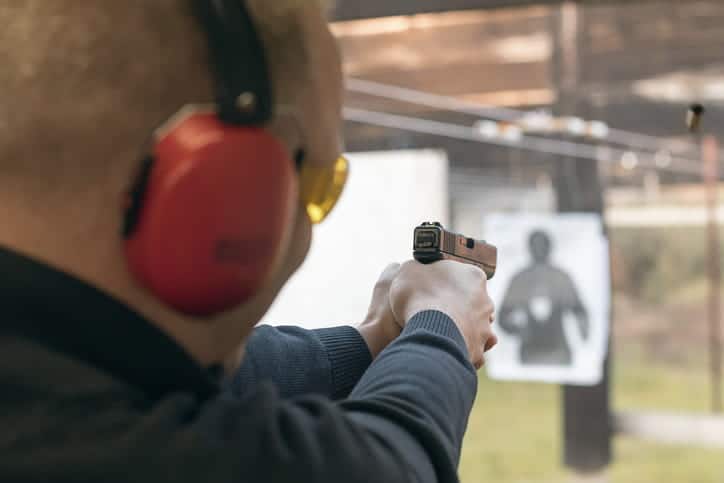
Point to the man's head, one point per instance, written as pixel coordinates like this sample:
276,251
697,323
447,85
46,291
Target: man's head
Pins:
540,246
86,83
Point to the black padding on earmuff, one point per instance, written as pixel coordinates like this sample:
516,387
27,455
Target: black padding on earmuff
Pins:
135,197
300,156
237,59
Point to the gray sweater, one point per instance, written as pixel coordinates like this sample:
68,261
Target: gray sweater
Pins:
91,392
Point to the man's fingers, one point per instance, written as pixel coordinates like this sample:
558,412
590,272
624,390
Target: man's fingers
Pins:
390,272
386,278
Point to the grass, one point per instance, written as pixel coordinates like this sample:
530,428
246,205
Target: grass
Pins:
514,435
514,430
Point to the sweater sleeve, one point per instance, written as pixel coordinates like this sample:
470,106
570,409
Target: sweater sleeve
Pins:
327,362
403,422
425,384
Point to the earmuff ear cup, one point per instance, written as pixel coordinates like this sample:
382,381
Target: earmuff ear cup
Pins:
214,214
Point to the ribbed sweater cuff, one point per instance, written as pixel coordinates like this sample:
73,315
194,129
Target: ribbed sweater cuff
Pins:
438,323
349,357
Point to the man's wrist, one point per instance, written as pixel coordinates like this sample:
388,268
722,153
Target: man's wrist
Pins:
451,314
348,355
378,334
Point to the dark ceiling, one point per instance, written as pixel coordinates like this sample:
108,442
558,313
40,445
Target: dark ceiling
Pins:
640,62
361,9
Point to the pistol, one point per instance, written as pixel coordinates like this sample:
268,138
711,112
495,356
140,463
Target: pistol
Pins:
432,243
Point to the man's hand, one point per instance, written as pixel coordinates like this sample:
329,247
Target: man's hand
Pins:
380,328
456,289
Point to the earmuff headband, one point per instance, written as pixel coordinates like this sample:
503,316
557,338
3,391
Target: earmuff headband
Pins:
207,220
243,85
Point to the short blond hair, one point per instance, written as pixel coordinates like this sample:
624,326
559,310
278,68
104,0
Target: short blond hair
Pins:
84,83
279,24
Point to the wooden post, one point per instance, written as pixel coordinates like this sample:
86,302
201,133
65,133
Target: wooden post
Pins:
587,422
710,154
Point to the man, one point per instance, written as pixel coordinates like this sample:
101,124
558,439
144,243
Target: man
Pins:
101,379
535,307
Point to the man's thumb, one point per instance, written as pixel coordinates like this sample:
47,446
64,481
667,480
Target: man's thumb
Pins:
389,273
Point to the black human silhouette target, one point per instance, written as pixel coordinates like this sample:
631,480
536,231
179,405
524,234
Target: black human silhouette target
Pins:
535,303
552,292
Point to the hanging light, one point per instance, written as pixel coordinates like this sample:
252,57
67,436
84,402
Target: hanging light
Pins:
693,117
537,121
598,129
487,129
663,159
576,126
512,133
629,160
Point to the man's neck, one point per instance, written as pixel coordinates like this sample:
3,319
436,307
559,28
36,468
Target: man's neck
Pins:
86,247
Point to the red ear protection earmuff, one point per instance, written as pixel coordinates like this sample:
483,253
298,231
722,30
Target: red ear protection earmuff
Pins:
207,218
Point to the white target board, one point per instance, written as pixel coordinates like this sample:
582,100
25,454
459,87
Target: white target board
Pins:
552,298
388,194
